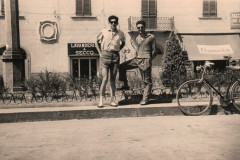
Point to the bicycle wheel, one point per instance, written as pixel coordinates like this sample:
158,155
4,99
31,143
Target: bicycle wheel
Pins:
235,95
194,97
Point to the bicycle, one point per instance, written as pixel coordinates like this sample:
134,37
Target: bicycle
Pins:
195,97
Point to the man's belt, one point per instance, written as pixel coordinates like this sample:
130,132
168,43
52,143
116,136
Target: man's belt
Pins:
111,51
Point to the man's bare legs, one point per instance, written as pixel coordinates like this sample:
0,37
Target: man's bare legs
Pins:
108,72
113,74
103,85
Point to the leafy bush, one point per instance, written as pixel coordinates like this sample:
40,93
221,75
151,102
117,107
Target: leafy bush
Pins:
174,71
31,84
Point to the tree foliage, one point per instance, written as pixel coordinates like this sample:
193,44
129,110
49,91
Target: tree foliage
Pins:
174,71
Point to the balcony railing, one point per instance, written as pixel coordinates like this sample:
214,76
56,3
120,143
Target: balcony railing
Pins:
152,24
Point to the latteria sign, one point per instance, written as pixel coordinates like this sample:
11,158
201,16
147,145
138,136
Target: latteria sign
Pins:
82,49
215,49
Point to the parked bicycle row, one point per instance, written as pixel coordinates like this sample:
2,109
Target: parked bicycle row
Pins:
70,95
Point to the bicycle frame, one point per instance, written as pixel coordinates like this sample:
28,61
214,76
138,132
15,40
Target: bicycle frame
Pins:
233,79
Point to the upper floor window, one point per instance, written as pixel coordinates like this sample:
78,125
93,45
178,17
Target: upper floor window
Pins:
2,8
83,7
149,8
209,8
149,13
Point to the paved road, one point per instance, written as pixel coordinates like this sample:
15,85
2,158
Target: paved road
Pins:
177,137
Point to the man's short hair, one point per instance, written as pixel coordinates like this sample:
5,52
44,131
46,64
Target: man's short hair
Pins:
112,17
141,22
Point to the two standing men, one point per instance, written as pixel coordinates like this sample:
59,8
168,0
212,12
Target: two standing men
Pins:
112,41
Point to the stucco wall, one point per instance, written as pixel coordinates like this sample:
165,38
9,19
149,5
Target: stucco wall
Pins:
54,57
187,13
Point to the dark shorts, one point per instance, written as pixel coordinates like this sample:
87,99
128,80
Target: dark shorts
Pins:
110,59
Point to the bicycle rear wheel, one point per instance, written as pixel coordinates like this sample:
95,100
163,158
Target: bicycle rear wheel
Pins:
194,97
235,92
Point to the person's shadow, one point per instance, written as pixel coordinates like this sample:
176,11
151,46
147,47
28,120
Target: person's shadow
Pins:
136,99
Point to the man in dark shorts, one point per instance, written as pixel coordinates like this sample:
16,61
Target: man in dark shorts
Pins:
146,51
109,42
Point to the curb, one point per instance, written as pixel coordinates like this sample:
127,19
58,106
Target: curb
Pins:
92,112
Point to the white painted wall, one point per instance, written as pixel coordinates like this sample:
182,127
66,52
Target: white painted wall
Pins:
54,57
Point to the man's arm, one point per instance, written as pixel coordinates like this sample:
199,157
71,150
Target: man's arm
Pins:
98,46
154,48
98,43
123,39
122,45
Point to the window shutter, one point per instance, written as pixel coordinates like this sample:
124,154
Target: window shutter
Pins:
79,7
213,8
2,8
206,8
149,13
152,8
145,8
87,7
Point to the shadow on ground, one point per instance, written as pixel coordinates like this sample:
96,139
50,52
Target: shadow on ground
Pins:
136,99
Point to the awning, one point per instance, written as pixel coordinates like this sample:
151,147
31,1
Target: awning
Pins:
211,47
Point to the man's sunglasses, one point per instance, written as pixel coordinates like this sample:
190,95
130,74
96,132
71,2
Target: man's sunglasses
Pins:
140,27
113,22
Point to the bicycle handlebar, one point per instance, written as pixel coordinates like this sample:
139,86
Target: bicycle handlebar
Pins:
210,64
207,64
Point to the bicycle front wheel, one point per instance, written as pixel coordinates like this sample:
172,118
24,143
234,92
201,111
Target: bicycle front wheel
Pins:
235,92
194,97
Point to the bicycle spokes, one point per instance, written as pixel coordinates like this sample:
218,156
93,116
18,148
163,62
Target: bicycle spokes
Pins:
194,97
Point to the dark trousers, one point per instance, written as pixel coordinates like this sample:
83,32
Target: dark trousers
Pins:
145,74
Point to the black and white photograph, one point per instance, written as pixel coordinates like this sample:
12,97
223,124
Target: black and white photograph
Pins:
119,79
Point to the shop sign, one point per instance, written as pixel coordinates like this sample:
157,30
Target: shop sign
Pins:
82,49
235,20
215,49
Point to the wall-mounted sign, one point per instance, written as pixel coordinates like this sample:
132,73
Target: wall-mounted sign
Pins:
82,49
215,49
235,20
48,31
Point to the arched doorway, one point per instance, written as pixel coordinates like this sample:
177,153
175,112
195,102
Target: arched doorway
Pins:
24,63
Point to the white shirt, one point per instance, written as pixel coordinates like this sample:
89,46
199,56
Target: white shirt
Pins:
111,41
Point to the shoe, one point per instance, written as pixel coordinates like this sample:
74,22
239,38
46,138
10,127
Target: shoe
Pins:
144,102
113,104
100,105
123,88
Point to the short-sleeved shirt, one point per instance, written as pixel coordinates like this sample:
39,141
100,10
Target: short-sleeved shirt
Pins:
111,41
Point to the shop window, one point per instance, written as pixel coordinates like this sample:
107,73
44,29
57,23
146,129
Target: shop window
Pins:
84,68
83,7
209,8
149,13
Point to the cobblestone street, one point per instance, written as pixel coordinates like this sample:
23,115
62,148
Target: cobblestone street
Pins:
167,137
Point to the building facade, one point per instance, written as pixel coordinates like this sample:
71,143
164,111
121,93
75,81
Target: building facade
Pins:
60,35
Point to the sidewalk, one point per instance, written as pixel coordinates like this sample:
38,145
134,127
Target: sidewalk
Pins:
88,110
